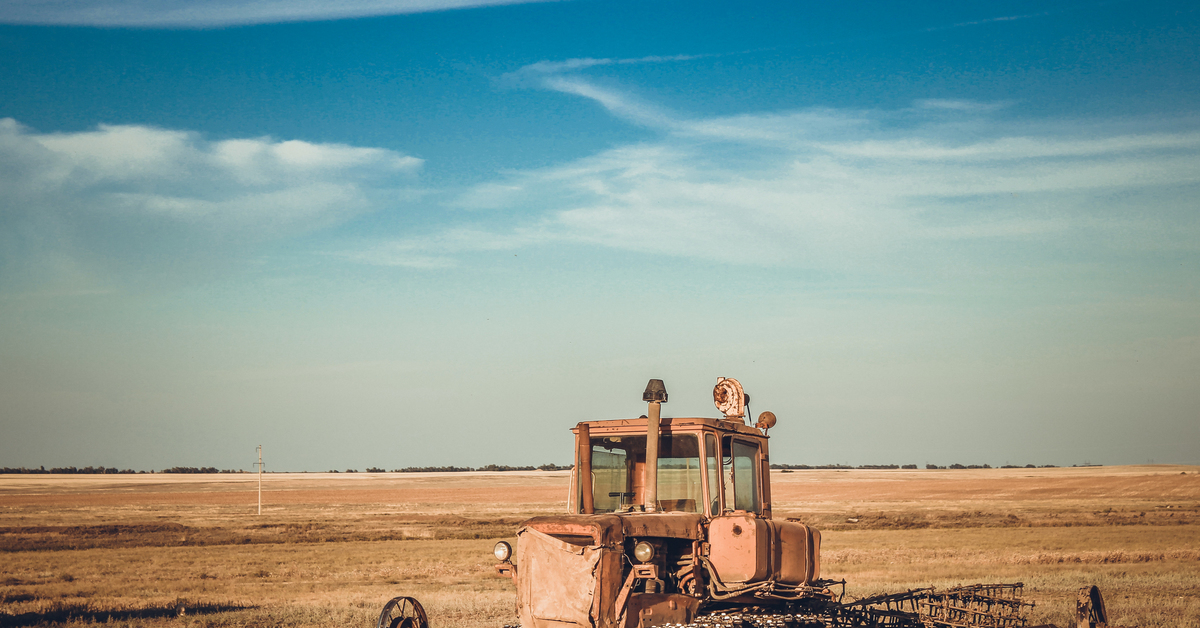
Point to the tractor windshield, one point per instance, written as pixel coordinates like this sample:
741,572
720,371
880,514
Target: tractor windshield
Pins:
618,472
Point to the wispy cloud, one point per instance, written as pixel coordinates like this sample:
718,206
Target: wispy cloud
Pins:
102,190
543,68
990,20
566,76
139,169
619,104
970,106
835,190
215,13
570,76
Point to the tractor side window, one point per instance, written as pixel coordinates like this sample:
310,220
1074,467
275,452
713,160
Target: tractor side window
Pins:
745,473
714,474
740,474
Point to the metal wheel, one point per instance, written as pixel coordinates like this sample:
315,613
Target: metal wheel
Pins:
403,612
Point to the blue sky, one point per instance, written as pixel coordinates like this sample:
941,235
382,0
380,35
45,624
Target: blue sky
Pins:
429,233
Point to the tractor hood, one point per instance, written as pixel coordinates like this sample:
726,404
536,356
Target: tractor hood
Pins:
612,529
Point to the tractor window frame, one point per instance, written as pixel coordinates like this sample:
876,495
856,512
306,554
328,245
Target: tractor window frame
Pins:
712,474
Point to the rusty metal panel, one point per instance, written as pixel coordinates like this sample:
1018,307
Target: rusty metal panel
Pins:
608,577
739,547
660,609
506,570
557,582
794,552
550,623
676,525
601,529
816,545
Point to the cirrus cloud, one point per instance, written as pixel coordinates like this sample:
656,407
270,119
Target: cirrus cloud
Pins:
214,13
843,190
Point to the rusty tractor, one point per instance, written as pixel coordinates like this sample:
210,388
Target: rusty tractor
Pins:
670,524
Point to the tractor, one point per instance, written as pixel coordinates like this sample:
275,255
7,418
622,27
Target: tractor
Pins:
670,524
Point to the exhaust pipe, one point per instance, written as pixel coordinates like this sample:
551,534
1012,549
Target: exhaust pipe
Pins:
583,470
655,395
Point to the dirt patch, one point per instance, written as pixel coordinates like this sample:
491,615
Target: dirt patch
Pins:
78,537
472,495
91,613
1044,485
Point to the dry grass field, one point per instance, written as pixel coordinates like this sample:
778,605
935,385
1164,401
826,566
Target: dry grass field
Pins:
330,549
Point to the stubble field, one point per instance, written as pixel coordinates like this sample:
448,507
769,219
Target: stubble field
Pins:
330,549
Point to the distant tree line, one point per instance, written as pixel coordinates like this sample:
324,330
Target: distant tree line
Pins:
495,467
68,470
789,467
110,470
988,466
490,467
199,470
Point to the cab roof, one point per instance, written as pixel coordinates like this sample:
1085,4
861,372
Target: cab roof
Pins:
675,424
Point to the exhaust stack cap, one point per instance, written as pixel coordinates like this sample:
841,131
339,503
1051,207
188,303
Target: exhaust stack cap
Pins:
656,392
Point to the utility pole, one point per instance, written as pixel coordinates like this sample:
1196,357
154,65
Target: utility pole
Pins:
260,470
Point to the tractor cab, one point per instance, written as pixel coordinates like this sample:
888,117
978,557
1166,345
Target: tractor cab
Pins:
701,466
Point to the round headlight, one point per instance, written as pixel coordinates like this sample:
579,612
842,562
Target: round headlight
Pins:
503,551
643,551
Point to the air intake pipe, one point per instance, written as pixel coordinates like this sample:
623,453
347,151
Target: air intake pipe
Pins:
655,395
